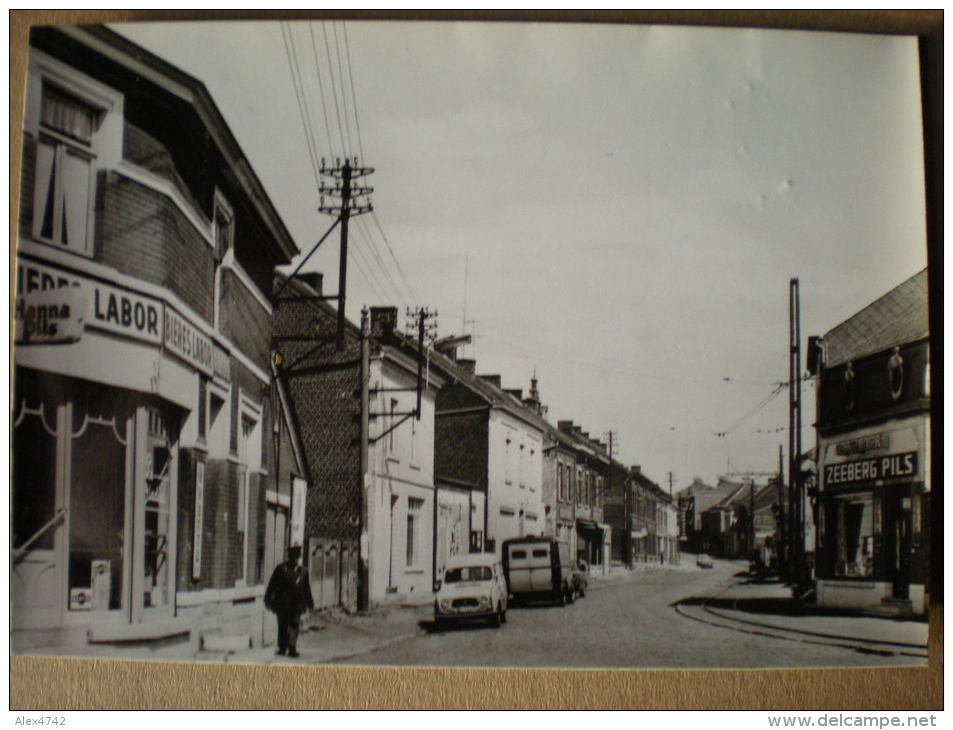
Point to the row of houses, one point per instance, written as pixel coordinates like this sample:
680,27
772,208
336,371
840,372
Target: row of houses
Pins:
182,412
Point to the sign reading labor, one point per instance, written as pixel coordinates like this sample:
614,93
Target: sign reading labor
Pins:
54,316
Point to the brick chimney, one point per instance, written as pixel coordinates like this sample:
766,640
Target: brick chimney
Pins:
495,380
314,279
383,321
467,366
565,426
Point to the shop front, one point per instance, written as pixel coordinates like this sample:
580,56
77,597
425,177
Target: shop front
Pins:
100,403
873,510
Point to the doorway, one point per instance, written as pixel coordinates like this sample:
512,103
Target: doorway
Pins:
898,524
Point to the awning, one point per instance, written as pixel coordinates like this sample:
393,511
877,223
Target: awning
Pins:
587,525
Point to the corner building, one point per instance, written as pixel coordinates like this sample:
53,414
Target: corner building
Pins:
142,398
873,424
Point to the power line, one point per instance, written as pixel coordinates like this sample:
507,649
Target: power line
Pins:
334,93
295,70
347,122
400,269
317,69
347,48
373,248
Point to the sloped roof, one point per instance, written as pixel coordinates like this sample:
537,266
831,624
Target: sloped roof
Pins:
898,317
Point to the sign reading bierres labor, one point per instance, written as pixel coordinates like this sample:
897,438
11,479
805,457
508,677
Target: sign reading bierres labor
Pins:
187,341
107,307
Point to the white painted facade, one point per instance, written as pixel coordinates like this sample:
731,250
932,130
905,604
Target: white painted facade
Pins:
401,511
515,478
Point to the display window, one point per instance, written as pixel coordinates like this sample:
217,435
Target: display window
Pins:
856,525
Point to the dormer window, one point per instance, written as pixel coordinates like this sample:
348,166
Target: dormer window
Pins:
65,170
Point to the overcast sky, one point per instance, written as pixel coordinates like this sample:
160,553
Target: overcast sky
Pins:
619,208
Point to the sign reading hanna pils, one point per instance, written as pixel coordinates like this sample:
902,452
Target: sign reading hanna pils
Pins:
48,317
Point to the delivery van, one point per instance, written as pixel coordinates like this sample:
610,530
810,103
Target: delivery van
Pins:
539,568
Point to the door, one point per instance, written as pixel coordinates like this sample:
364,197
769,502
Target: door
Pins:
898,516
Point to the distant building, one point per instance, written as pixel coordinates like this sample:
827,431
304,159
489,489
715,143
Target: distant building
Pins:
144,490
873,427
488,458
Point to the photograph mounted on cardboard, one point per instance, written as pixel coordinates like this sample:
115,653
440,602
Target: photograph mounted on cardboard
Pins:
471,344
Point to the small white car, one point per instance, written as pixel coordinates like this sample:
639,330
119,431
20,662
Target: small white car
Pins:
704,561
473,587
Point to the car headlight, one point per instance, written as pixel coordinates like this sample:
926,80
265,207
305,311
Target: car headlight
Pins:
485,602
446,604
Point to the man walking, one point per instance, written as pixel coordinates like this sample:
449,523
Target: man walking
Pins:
289,595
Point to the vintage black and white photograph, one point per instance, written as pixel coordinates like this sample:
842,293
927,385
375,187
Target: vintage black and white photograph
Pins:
471,344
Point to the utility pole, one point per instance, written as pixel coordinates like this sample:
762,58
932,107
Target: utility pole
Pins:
417,318
794,436
751,532
670,483
782,525
363,582
349,206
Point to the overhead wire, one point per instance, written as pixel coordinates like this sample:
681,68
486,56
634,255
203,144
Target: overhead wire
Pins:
350,73
324,109
337,52
291,53
334,93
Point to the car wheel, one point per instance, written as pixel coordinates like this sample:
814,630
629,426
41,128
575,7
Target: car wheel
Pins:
503,616
497,619
571,596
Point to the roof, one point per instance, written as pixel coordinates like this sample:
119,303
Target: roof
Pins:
900,316
124,52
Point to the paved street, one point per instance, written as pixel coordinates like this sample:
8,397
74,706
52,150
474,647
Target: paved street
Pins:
629,623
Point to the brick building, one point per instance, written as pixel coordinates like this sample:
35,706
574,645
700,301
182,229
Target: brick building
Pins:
141,363
873,445
320,383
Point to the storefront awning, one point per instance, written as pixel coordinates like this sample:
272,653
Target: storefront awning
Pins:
587,525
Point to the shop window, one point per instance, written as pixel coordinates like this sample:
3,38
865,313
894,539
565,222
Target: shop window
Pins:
855,537
158,489
97,505
414,510
65,170
34,477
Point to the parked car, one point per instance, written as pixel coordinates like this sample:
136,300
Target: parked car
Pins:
704,561
473,587
539,568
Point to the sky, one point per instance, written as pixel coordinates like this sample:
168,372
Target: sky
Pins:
617,209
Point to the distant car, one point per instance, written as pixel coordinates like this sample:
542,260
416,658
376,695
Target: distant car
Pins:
704,561
473,587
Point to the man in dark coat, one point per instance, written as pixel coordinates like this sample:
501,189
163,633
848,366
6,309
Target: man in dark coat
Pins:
289,595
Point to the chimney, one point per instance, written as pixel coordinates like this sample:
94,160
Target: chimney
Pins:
636,468
564,426
314,279
577,430
467,366
383,321
495,380
516,393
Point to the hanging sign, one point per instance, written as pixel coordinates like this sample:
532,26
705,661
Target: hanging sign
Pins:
49,317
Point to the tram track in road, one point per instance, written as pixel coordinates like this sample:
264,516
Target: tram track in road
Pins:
704,612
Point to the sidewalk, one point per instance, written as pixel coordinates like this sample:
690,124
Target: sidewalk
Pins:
332,635
770,605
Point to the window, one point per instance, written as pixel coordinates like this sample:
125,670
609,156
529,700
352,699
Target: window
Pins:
518,554
542,553
855,537
414,508
390,425
472,573
223,230
65,170
249,463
